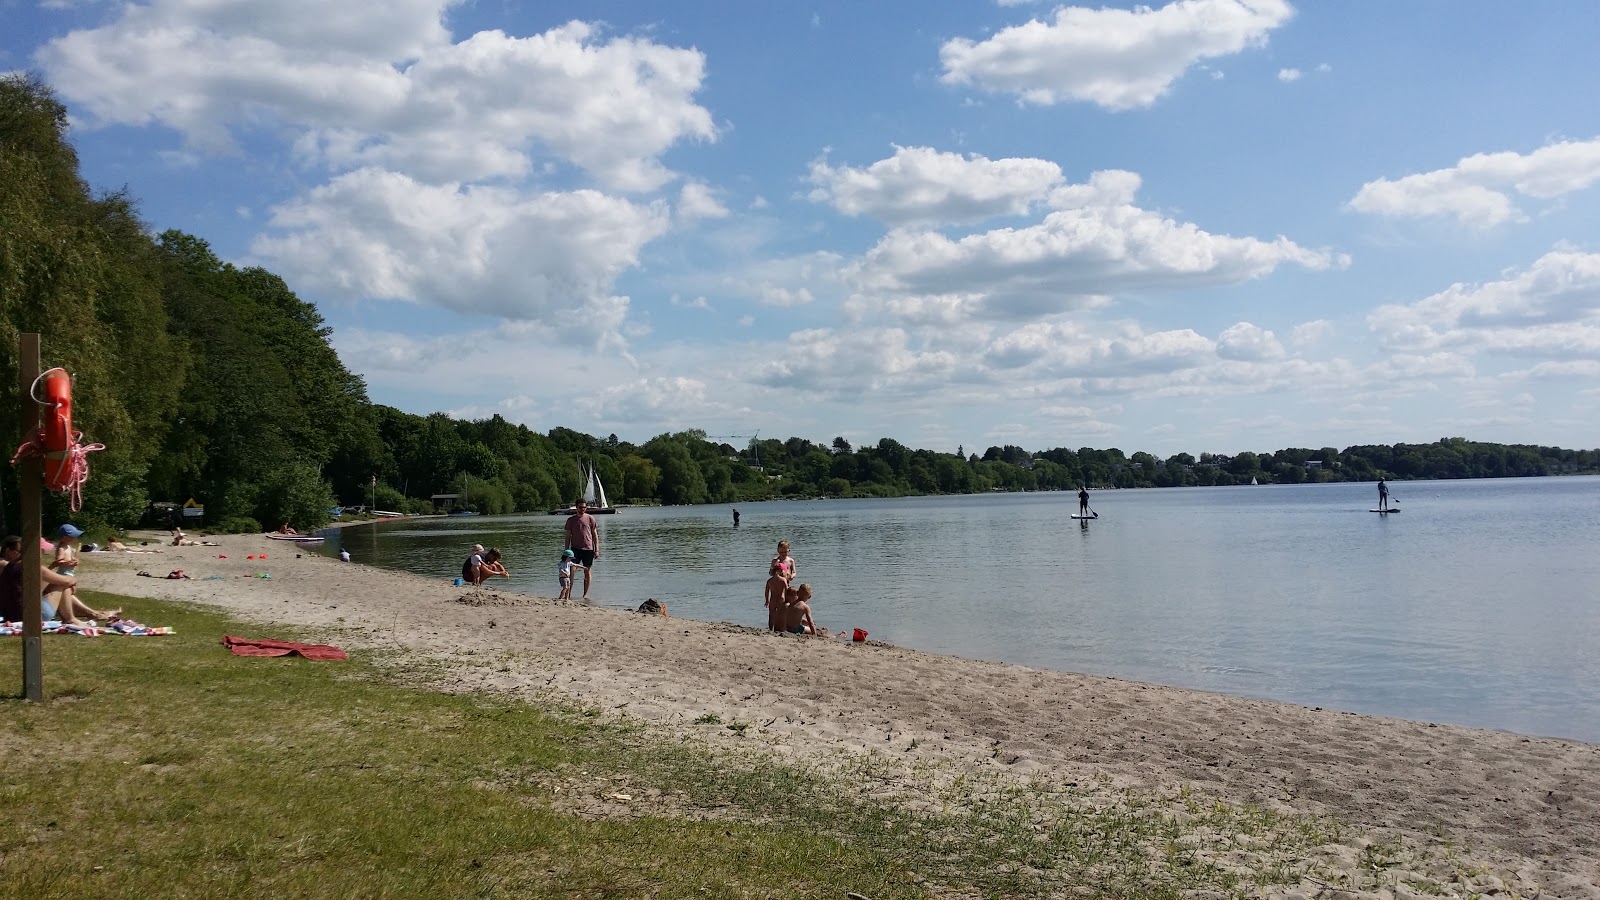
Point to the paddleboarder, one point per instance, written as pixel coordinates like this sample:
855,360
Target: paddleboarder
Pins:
1383,495
1083,502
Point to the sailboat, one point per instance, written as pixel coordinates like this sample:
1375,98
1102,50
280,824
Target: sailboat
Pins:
1253,480
594,495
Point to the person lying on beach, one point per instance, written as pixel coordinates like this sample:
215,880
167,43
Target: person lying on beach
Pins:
797,611
773,599
179,539
116,546
60,598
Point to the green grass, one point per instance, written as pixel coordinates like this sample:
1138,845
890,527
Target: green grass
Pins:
168,767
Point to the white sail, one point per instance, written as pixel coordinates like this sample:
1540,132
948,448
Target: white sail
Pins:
600,488
588,488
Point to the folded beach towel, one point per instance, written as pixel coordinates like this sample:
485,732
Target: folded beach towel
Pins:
267,647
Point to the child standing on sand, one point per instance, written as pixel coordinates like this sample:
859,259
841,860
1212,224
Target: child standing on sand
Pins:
773,601
797,611
564,573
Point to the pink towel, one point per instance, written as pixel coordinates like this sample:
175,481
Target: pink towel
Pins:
267,647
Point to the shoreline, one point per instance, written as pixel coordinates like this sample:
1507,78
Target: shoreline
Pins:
1528,807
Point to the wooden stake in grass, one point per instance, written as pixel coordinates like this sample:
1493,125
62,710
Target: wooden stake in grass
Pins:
30,479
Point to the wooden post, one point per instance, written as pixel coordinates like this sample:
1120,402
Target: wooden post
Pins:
30,481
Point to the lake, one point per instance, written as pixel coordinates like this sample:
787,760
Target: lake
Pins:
1478,604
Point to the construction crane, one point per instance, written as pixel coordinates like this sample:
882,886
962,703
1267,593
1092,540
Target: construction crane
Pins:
754,460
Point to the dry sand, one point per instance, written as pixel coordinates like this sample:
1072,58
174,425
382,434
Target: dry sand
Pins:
1524,809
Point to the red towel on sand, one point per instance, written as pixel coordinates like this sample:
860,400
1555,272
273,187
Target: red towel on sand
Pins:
267,647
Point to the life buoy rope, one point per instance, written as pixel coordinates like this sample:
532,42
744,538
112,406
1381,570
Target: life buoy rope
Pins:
66,457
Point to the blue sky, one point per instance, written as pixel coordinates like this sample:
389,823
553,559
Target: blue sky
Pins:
1208,225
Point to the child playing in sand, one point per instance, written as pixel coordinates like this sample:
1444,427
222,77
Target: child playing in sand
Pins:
564,573
773,600
797,611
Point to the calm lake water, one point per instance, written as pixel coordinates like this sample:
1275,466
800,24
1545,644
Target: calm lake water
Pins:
1478,605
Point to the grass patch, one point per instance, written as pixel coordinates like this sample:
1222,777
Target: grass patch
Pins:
182,771
179,770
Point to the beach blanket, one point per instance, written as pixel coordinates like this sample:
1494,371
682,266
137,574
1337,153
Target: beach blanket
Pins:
126,627
266,647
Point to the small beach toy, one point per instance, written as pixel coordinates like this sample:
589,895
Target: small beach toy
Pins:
860,634
458,582
261,556
222,556
251,556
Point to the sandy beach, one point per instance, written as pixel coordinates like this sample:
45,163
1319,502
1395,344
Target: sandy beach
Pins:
1490,812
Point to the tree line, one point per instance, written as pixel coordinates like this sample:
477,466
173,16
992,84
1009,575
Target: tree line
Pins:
217,383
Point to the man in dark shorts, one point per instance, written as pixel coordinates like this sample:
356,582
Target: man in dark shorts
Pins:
1083,501
583,539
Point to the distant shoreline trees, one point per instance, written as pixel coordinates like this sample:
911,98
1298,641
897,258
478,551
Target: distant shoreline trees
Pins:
215,383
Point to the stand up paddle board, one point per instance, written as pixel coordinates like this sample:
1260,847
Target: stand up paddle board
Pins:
1076,516
1389,510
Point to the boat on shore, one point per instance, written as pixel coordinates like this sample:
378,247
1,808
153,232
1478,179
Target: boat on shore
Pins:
594,496
306,540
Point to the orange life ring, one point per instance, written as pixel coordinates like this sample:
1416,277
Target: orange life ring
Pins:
57,432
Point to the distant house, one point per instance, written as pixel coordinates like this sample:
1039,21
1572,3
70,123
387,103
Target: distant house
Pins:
446,502
1313,463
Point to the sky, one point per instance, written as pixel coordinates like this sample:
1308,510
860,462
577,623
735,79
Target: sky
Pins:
1208,225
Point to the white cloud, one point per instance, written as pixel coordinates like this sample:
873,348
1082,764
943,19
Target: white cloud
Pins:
697,303
477,249
1551,309
697,201
1307,334
386,86
670,402
1477,190
1569,368
922,186
1248,342
1117,58
1287,75
1074,257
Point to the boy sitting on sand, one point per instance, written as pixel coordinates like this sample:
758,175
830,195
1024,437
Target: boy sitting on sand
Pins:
774,597
797,612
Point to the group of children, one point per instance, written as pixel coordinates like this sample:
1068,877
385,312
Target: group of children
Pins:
788,608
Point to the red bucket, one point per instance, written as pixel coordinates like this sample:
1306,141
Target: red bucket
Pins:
859,635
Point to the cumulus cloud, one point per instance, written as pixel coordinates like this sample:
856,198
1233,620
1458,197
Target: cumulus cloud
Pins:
387,86
1307,334
697,201
1116,58
1250,342
384,235
1551,309
922,186
1097,244
670,401
1478,189
830,361
1287,75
